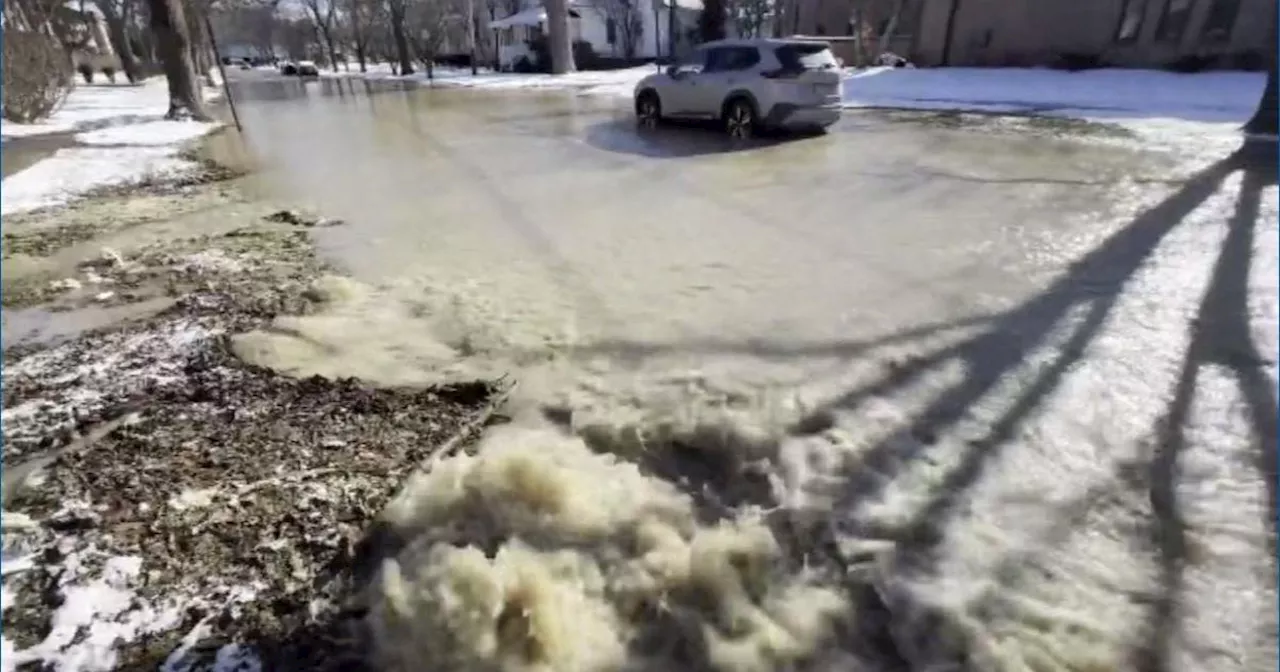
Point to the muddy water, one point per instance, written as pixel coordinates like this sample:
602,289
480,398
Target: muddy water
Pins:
935,360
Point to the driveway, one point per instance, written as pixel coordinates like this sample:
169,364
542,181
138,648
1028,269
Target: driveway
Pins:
1015,376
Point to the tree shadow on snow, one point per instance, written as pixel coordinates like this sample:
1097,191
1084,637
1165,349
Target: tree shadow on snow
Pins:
1091,289
1220,337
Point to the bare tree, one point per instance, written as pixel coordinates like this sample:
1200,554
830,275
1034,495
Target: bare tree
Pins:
396,11
323,14
169,25
751,16
886,37
118,14
297,37
559,42
427,23
627,23
363,16
1263,121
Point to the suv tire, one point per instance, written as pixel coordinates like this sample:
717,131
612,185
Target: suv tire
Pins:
739,118
648,109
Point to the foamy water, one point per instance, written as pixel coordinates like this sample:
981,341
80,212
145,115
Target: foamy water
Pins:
769,421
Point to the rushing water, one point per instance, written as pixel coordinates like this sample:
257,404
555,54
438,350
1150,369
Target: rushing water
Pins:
904,395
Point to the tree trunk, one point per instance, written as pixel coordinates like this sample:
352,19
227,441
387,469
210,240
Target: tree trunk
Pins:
889,29
559,42
1264,120
120,41
950,33
359,36
397,34
199,44
170,29
328,44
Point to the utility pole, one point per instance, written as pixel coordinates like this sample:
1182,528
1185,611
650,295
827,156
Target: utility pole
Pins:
671,29
222,71
657,34
471,33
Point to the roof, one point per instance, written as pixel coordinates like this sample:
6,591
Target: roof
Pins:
762,41
526,17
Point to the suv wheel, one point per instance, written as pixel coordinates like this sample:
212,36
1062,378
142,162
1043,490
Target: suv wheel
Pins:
648,110
739,119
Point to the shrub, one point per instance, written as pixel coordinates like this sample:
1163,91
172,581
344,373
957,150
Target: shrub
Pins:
86,71
36,76
110,73
523,65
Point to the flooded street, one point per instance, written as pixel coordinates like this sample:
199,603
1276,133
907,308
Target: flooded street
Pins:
919,392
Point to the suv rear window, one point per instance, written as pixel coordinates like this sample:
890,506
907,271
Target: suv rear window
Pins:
802,56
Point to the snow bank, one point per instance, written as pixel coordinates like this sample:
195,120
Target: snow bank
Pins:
1099,94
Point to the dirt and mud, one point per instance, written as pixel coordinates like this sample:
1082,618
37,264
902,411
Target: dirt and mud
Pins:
165,503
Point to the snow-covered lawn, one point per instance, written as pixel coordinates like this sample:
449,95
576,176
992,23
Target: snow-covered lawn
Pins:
137,144
1220,97
99,105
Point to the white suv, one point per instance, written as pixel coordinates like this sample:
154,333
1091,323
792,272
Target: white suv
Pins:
747,85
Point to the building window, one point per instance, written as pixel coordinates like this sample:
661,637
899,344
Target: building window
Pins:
1220,21
1131,15
611,31
1173,21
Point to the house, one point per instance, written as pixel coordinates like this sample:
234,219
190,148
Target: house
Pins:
1124,33
622,29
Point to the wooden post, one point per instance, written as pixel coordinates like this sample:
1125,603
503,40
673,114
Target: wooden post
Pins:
222,71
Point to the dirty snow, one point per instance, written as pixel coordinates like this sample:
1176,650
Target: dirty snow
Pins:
75,171
96,614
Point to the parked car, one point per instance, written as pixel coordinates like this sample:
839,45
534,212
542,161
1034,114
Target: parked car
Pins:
308,69
288,68
747,85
